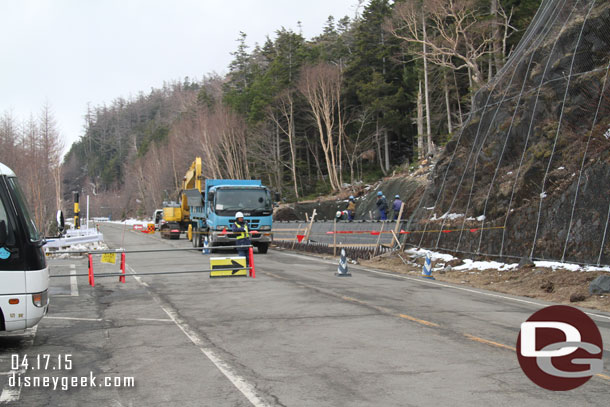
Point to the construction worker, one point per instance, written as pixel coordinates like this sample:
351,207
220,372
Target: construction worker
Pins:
396,205
351,208
382,206
243,236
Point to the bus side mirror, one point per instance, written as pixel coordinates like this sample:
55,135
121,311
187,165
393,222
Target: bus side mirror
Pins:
210,197
3,233
61,224
277,197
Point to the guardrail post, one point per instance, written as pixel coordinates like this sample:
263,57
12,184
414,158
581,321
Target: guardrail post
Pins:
122,278
91,277
335,237
251,261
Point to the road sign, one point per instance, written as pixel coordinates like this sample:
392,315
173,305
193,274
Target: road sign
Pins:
228,267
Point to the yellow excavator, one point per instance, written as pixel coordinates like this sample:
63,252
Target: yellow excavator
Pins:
176,214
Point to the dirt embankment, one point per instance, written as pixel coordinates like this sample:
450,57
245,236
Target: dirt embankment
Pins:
409,187
561,286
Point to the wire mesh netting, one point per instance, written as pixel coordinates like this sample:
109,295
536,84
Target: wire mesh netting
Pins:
527,175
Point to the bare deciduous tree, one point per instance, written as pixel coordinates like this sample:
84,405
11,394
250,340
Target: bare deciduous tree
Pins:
459,37
283,117
320,84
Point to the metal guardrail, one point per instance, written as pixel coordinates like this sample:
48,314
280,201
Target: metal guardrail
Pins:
119,251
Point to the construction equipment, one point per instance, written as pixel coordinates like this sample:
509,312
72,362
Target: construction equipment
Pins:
158,218
212,205
175,220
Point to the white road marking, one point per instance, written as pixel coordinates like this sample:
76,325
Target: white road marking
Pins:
76,319
10,394
154,319
239,382
73,282
419,280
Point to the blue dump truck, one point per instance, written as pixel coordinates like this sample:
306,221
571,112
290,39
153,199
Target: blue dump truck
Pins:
212,207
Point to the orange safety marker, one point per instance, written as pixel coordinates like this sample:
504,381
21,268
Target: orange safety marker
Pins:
91,277
406,232
122,278
251,261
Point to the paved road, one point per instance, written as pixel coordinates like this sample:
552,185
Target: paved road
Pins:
294,336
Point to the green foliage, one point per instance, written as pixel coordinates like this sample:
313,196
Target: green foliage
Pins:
380,81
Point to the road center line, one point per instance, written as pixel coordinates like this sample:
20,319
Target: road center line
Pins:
408,317
437,283
239,382
488,342
419,321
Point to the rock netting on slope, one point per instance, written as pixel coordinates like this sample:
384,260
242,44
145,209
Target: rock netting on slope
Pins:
528,174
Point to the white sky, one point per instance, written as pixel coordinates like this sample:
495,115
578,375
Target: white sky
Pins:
71,52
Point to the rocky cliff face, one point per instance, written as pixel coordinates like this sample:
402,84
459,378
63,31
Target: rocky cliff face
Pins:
529,174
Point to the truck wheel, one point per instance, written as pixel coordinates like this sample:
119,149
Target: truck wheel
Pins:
263,247
195,237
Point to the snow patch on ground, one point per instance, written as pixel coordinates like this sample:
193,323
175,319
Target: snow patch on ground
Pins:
470,265
80,247
450,216
485,265
131,222
433,255
572,267
480,218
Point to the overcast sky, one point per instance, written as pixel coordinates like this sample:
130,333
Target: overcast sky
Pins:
71,52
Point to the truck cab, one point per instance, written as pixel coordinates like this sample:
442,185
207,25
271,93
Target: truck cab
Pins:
213,211
24,276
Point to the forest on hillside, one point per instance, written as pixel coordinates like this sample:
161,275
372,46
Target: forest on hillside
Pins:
32,148
368,96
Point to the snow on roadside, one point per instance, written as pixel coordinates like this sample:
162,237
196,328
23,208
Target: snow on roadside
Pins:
572,267
469,265
131,222
80,247
433,255
485,265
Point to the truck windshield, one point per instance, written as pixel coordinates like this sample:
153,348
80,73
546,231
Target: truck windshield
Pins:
20,202
244,199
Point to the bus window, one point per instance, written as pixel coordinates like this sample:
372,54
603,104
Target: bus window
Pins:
10,233
21,204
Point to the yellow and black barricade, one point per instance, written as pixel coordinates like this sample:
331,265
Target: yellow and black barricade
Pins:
228,267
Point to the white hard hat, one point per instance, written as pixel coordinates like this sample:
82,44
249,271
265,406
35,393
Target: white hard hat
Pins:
239,215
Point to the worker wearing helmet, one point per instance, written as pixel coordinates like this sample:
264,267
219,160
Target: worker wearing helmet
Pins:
240,227
351,208
382,206
396,205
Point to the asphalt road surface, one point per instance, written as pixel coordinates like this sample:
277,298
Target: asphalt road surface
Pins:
296,335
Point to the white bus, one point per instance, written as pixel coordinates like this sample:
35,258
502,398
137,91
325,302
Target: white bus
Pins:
24,277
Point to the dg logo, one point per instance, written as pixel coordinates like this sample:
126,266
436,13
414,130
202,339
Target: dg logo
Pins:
560,348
